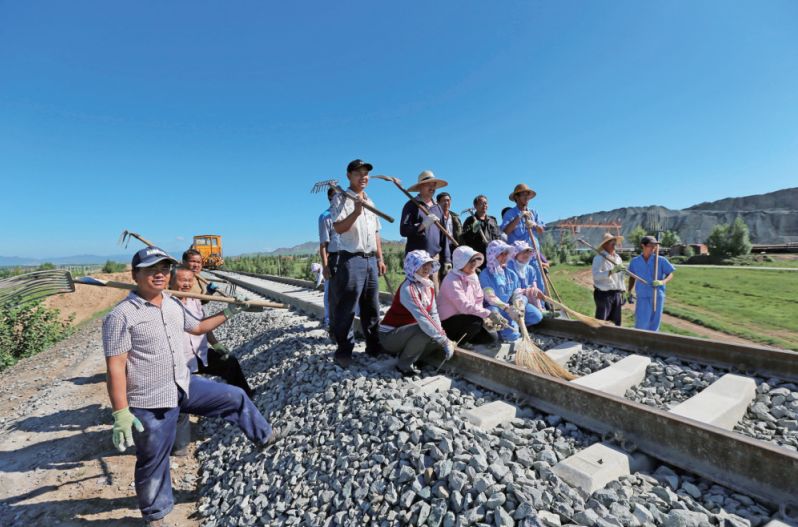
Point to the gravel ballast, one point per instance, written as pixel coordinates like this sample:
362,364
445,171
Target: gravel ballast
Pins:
363,448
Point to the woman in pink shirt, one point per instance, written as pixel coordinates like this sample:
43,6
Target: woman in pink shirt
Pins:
461,302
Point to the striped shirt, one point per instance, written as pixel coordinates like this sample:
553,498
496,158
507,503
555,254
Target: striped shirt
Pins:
153,339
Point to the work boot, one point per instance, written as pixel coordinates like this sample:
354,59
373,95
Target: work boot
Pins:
408,372
343,360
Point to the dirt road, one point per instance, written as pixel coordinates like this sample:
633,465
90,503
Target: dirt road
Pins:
87,300
57,463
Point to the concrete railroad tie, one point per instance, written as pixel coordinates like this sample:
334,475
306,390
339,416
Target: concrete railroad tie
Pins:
490,415
592,468
562,353
722,404
618,377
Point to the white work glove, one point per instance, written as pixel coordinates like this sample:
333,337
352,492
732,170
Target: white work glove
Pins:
448,349
429,220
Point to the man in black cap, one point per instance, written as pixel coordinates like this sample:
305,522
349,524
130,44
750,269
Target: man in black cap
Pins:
149,382
359,265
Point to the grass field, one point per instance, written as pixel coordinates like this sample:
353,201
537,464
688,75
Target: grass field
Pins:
758,305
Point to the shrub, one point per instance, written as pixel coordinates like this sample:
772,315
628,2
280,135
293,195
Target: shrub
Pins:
634,237
29,329
113,267
670,238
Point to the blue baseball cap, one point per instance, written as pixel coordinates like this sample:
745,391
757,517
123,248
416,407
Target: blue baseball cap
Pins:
150,256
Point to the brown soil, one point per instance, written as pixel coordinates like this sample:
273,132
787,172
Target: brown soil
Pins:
57,462
585,278
88,300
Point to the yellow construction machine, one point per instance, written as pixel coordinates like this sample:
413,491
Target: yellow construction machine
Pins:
210,247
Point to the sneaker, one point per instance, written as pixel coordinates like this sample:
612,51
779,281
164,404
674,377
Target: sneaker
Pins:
409,372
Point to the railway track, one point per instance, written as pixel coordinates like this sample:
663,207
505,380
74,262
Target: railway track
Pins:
690,437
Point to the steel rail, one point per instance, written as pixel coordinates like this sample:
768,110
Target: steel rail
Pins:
746,465
738,358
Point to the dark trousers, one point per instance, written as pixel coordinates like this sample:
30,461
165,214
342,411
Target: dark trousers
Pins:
355,284
608,305
207,398
228,369
471,326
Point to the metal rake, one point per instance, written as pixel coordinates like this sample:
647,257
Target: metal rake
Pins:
40,284
333,184
34,286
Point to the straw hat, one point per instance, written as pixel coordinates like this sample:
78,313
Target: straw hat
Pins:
519,188
608,238
427,177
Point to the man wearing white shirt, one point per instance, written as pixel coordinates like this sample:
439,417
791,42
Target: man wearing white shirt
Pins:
608,284
356,278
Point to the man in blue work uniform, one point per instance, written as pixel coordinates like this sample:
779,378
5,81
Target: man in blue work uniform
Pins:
516,222
643,266
328,250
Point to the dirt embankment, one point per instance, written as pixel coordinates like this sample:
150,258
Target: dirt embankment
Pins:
58,465
87,300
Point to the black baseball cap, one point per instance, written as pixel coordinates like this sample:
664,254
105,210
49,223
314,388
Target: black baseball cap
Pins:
357,163
150,256
648,240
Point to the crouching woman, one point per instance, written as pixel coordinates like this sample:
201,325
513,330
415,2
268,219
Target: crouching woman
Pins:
504,292
461,301
411,327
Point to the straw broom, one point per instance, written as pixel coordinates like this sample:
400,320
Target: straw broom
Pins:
584,319
529,356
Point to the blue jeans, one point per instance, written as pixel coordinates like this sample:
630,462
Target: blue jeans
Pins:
206,398
356,284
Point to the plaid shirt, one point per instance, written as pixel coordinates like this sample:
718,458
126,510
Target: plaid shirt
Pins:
153,339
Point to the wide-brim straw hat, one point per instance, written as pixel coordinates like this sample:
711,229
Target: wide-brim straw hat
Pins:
519,188
428,177
608,238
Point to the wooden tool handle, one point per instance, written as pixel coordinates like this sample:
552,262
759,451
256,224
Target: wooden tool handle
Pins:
421,206
375,210
627,271
198,296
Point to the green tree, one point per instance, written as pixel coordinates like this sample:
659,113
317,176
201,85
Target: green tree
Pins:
47,266
739,239
717,242
635,235
729,240
670,238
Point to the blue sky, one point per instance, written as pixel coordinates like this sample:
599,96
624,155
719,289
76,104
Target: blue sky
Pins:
179,118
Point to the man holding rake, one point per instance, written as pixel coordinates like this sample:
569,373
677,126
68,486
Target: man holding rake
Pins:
360,263
149,383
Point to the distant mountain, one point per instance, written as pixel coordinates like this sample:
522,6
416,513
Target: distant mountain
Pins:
771,218
80,259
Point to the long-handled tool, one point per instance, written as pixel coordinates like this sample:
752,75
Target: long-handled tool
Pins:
124,239
656,277
590,321
39,284
333,184
445,359
420,205
531,357
543,271
600,253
